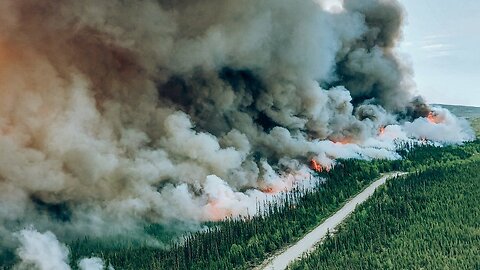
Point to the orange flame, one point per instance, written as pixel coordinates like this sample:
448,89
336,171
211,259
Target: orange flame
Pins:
269,190
433,118
381,131
342,141
316,166
215,212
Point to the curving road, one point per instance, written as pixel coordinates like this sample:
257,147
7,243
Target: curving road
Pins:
308,242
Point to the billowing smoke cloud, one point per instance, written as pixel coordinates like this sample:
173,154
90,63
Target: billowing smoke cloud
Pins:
440,125
42,251
93,264
116,113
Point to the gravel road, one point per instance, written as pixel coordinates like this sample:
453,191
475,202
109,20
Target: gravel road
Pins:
308,242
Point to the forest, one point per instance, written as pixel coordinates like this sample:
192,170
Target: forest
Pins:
241,243
426,220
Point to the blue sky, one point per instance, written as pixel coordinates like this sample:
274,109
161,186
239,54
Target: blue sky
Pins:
442,40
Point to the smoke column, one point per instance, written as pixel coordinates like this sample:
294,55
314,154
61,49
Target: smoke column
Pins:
118,113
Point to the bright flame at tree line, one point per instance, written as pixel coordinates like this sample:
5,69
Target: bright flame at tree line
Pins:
432,118
316,166
381,131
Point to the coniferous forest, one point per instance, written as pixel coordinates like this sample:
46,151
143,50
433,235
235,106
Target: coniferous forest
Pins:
240,243
429,219
426,220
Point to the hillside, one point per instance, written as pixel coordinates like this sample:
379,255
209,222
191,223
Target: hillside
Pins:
476,126
467,112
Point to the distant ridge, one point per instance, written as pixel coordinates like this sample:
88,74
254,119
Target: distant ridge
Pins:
468,112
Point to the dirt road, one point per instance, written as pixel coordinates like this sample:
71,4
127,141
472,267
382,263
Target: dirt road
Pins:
308,242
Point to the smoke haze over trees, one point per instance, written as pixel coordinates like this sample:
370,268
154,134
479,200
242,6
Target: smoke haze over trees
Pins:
114,114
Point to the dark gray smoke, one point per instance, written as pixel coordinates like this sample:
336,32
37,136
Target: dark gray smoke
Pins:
115,113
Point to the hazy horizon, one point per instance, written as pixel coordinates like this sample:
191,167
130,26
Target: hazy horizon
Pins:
439,38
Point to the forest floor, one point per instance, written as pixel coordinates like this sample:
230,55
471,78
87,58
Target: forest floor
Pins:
305,245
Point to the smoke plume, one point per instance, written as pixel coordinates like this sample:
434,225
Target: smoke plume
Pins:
118,113
43,251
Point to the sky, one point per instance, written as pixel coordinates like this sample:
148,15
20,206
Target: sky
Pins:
442,41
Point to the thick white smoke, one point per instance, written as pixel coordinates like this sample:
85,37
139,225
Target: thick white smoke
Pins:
441,126
117,113
93,264
42,251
